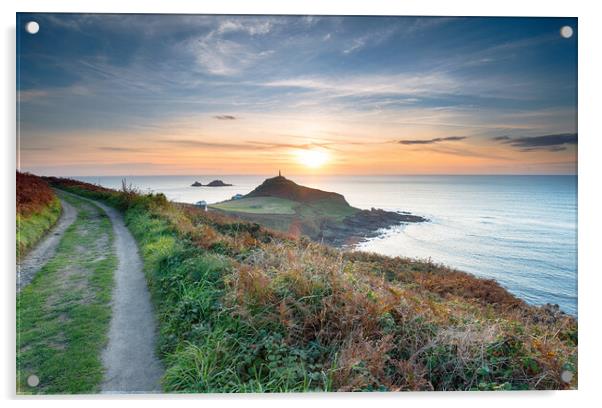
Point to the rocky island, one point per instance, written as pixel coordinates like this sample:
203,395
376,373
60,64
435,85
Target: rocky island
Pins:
214,183
218,183
324,216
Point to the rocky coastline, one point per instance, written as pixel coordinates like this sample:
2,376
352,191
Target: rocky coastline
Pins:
362,225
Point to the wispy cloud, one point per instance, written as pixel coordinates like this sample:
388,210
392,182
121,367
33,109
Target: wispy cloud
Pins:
32,95
432,141
372,38
552,143
303,146
251,145
37,148
378,37
468,152
41,95
375,84
497,53
224,117
369,40
218,54
122,149
224,57
260,26
207,145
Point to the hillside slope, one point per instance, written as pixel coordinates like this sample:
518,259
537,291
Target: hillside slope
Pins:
246,309
282,187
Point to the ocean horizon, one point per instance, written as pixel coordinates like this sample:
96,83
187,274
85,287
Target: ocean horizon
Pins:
520,230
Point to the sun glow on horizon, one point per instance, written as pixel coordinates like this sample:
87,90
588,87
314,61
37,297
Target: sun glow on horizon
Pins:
312,158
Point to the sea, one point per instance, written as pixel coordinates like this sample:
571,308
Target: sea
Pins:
519,230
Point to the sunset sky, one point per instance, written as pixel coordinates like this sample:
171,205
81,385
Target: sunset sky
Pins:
185,94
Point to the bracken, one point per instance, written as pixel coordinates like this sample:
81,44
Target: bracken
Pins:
245,309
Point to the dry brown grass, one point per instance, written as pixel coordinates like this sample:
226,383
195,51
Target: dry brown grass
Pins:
384,323
318,294
33,194
398,324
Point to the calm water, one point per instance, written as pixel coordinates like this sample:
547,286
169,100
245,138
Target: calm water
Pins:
519,230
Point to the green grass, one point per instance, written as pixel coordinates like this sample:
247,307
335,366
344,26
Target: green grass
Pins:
63,315
327,209
205,348
280,206
259,205
244,309
31,228
287,215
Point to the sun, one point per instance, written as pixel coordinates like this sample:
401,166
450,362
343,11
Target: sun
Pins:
312,158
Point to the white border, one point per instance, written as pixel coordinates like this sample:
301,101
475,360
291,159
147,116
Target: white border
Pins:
590,203
338,7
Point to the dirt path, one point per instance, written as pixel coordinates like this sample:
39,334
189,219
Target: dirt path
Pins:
46,248
64,313
129,358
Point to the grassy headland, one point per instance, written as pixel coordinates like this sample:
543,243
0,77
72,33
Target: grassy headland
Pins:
38,209
247,309
63,314
284,205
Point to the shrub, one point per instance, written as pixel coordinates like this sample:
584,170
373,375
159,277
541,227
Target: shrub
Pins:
38,209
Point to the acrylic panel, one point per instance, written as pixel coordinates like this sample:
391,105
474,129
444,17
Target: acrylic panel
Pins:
253,204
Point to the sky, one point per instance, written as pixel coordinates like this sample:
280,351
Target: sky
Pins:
199,94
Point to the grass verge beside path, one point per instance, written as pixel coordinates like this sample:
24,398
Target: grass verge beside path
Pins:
32,227
63,315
